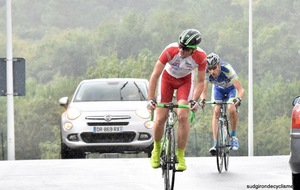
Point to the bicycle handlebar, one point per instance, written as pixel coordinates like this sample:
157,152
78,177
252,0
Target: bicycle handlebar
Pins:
221,103
171,106
218,103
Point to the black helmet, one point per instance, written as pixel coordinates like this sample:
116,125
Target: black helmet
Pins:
190,38
212,60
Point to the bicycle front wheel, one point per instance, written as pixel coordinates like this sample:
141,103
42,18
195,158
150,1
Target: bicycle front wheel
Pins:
173,160
170,162
227,150
166,168
226,159
220,145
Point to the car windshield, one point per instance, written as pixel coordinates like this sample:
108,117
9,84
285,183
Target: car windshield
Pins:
111,91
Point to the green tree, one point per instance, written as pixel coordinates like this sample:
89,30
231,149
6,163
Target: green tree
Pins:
112,67
69,53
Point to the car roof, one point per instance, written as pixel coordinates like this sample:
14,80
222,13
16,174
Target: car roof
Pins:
114,79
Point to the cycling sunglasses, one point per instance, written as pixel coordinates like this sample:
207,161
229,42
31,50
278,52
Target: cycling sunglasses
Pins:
212,68
183,47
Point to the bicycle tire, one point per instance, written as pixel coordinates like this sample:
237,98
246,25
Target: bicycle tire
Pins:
174,159
170,162
226,161
219,147
163,161
227,148
169,173
166,172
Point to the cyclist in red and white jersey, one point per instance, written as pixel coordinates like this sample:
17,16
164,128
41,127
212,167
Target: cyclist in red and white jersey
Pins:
174,70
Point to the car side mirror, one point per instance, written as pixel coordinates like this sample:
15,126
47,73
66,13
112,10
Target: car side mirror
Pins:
296,100
64,101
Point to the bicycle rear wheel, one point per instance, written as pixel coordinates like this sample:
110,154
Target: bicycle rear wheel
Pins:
226,160
220,145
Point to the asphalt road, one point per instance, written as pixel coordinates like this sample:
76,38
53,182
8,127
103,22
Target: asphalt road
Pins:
136,174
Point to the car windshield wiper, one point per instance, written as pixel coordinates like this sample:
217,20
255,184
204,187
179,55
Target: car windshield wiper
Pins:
121,97
142,97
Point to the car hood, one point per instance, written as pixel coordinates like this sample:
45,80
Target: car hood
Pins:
107,106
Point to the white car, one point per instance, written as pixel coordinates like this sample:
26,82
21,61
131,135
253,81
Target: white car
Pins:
106,116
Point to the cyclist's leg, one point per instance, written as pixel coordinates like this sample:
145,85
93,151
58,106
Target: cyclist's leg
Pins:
217,95
164,95
214,124
158,130
183,133
183,125
184,93
233,118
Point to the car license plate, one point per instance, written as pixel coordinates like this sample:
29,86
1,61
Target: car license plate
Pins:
98,129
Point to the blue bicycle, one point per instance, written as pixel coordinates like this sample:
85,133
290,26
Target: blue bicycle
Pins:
223,146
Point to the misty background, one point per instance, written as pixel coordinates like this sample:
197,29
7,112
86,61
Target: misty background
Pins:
67,41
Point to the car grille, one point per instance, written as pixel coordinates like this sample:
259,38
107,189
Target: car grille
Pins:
108,117
107,123
108,120
124,137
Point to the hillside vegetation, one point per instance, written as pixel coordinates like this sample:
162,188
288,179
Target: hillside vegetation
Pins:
66,41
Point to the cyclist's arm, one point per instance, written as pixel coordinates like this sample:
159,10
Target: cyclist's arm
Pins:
158,68
200,86
204,92
238,85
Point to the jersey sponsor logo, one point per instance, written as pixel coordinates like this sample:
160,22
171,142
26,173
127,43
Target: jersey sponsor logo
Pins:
189,65
175,64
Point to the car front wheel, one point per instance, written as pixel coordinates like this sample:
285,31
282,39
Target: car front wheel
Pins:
68,153
296,180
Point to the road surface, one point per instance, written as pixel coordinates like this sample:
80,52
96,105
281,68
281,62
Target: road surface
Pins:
268,172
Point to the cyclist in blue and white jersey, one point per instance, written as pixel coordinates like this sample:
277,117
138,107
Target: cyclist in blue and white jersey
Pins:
226,86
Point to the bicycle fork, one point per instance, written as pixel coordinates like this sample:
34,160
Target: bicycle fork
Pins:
226,134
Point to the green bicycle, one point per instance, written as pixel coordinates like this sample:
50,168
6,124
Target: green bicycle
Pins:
168,158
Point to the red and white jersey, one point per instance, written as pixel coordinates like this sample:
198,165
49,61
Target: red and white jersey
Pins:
179,67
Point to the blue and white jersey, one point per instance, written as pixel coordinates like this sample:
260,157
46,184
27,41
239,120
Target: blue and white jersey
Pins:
226,77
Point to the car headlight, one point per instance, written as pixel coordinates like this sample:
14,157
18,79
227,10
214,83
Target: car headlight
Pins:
149,124
68,126
143,112
73,113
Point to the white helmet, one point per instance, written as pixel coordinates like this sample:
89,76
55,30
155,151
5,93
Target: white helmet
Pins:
213,60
